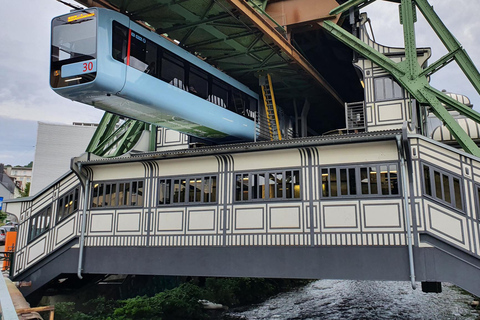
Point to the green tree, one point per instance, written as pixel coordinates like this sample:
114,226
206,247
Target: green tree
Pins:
3,216
26,191
29,165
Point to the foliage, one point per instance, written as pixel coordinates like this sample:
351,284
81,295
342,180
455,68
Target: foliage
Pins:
96,309
100,308
179,303
29,165
3,216
26,191
66,311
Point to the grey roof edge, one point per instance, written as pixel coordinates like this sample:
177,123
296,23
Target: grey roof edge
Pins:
249,147
445,146
254,146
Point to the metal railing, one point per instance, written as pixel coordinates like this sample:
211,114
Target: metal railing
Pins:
355,116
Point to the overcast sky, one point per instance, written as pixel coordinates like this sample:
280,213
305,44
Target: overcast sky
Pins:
25,95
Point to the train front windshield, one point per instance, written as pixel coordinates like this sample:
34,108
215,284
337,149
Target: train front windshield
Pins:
73,49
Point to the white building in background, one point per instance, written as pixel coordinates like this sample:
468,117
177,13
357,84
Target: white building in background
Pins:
20,175
8,189
56,145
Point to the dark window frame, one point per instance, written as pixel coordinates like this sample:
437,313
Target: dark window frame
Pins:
437,193
365,180
252,191
387,83
46,214
63,204
174,191
122,193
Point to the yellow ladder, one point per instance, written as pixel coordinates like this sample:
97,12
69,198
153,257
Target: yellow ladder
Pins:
271,109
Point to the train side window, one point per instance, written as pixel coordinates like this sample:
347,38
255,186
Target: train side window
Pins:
198,82
173,70
138,51
237,103
119,42
219,94
151,59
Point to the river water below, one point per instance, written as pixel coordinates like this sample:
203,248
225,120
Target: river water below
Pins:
335,299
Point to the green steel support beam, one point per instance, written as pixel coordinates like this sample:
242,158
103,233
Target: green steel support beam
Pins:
153,138
407,18
105,128
347,5
129,138
194,24
461,56
454,104
108,141
409,73
440,63
455,129
260,6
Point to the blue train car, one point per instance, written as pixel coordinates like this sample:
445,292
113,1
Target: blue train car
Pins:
102,58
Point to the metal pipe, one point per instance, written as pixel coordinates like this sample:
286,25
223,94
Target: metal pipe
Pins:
82,234
407,213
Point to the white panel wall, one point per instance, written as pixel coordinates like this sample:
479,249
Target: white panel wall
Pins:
56,145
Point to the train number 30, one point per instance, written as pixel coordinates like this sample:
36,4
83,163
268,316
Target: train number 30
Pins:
87,66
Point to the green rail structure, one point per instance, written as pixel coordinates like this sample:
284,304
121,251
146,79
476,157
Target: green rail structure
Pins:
409,73
114,137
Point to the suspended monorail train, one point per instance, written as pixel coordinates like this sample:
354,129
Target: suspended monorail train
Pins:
102,58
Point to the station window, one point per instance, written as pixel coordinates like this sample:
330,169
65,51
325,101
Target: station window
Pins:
442,186
187,190
267,185
68,204
387,89
117,194
39,223
477,187
380,179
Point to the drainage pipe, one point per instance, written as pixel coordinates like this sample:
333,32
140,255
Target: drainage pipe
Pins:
82,234
407,213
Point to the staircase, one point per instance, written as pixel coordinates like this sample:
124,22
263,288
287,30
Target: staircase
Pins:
270,108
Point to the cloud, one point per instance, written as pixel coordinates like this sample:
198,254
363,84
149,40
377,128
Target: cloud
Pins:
24,85
17,146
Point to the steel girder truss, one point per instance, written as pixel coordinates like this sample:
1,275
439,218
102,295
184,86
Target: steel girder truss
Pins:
114,138
409,73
